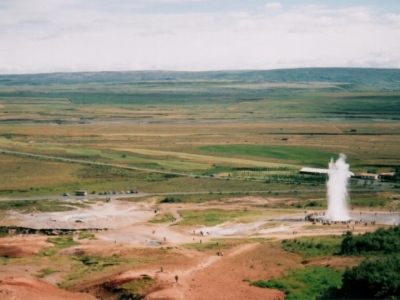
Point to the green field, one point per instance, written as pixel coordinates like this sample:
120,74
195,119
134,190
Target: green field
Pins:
281,153
243,126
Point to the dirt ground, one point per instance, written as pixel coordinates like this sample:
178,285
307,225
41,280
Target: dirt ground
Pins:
200,274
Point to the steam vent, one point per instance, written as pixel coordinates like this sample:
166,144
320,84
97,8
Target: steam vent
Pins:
337,195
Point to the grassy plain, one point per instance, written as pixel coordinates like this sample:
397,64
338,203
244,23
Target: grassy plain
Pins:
201,124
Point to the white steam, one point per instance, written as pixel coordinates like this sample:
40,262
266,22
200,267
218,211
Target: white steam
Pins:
337,190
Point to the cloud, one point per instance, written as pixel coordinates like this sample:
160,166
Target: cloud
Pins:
273,6
171,1
395,18
60,35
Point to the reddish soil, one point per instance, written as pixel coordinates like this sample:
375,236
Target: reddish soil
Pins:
202,275
205,275
226,277
23,287
22,246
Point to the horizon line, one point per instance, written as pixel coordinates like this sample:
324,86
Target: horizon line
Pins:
189,71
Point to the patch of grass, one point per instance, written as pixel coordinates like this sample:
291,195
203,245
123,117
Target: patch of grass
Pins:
282,153
368,202
44,272
162,218
209,217
86,235
270,225
59,243
172,164
30,176
313,246
216,245
86,264
307,283
138,287
201,158
323,227
118,158
195,198
29,206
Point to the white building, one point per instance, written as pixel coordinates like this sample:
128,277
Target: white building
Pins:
316,171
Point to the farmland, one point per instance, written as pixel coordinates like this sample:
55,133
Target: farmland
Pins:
198,123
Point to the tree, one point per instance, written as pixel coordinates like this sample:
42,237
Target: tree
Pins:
372,280
382,241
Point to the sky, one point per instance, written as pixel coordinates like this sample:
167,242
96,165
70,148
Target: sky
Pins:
43,36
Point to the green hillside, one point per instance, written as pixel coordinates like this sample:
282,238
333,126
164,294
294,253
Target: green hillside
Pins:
384,78
292,93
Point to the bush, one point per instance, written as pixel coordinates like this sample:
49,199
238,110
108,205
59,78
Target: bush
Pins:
370,280
171,200
379,242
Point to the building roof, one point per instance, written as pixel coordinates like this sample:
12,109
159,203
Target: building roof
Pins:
388,174
320,171
314,170
368,175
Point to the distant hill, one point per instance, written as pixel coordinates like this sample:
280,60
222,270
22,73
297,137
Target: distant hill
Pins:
382,78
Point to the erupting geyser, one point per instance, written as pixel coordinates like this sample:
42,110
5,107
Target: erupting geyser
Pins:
337,190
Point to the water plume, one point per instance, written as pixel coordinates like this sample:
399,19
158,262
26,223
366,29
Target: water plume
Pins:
337,190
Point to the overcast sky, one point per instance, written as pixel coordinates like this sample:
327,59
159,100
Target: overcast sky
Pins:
39,36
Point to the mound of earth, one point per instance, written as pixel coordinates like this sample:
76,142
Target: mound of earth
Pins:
23,287
22,246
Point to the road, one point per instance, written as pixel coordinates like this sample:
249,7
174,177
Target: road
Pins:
141,194
135,195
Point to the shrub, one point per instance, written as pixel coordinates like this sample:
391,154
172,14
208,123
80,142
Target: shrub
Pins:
307,283
171,200
370,280
382,241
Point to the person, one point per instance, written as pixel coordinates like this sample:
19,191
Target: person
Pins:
162,269
176,278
